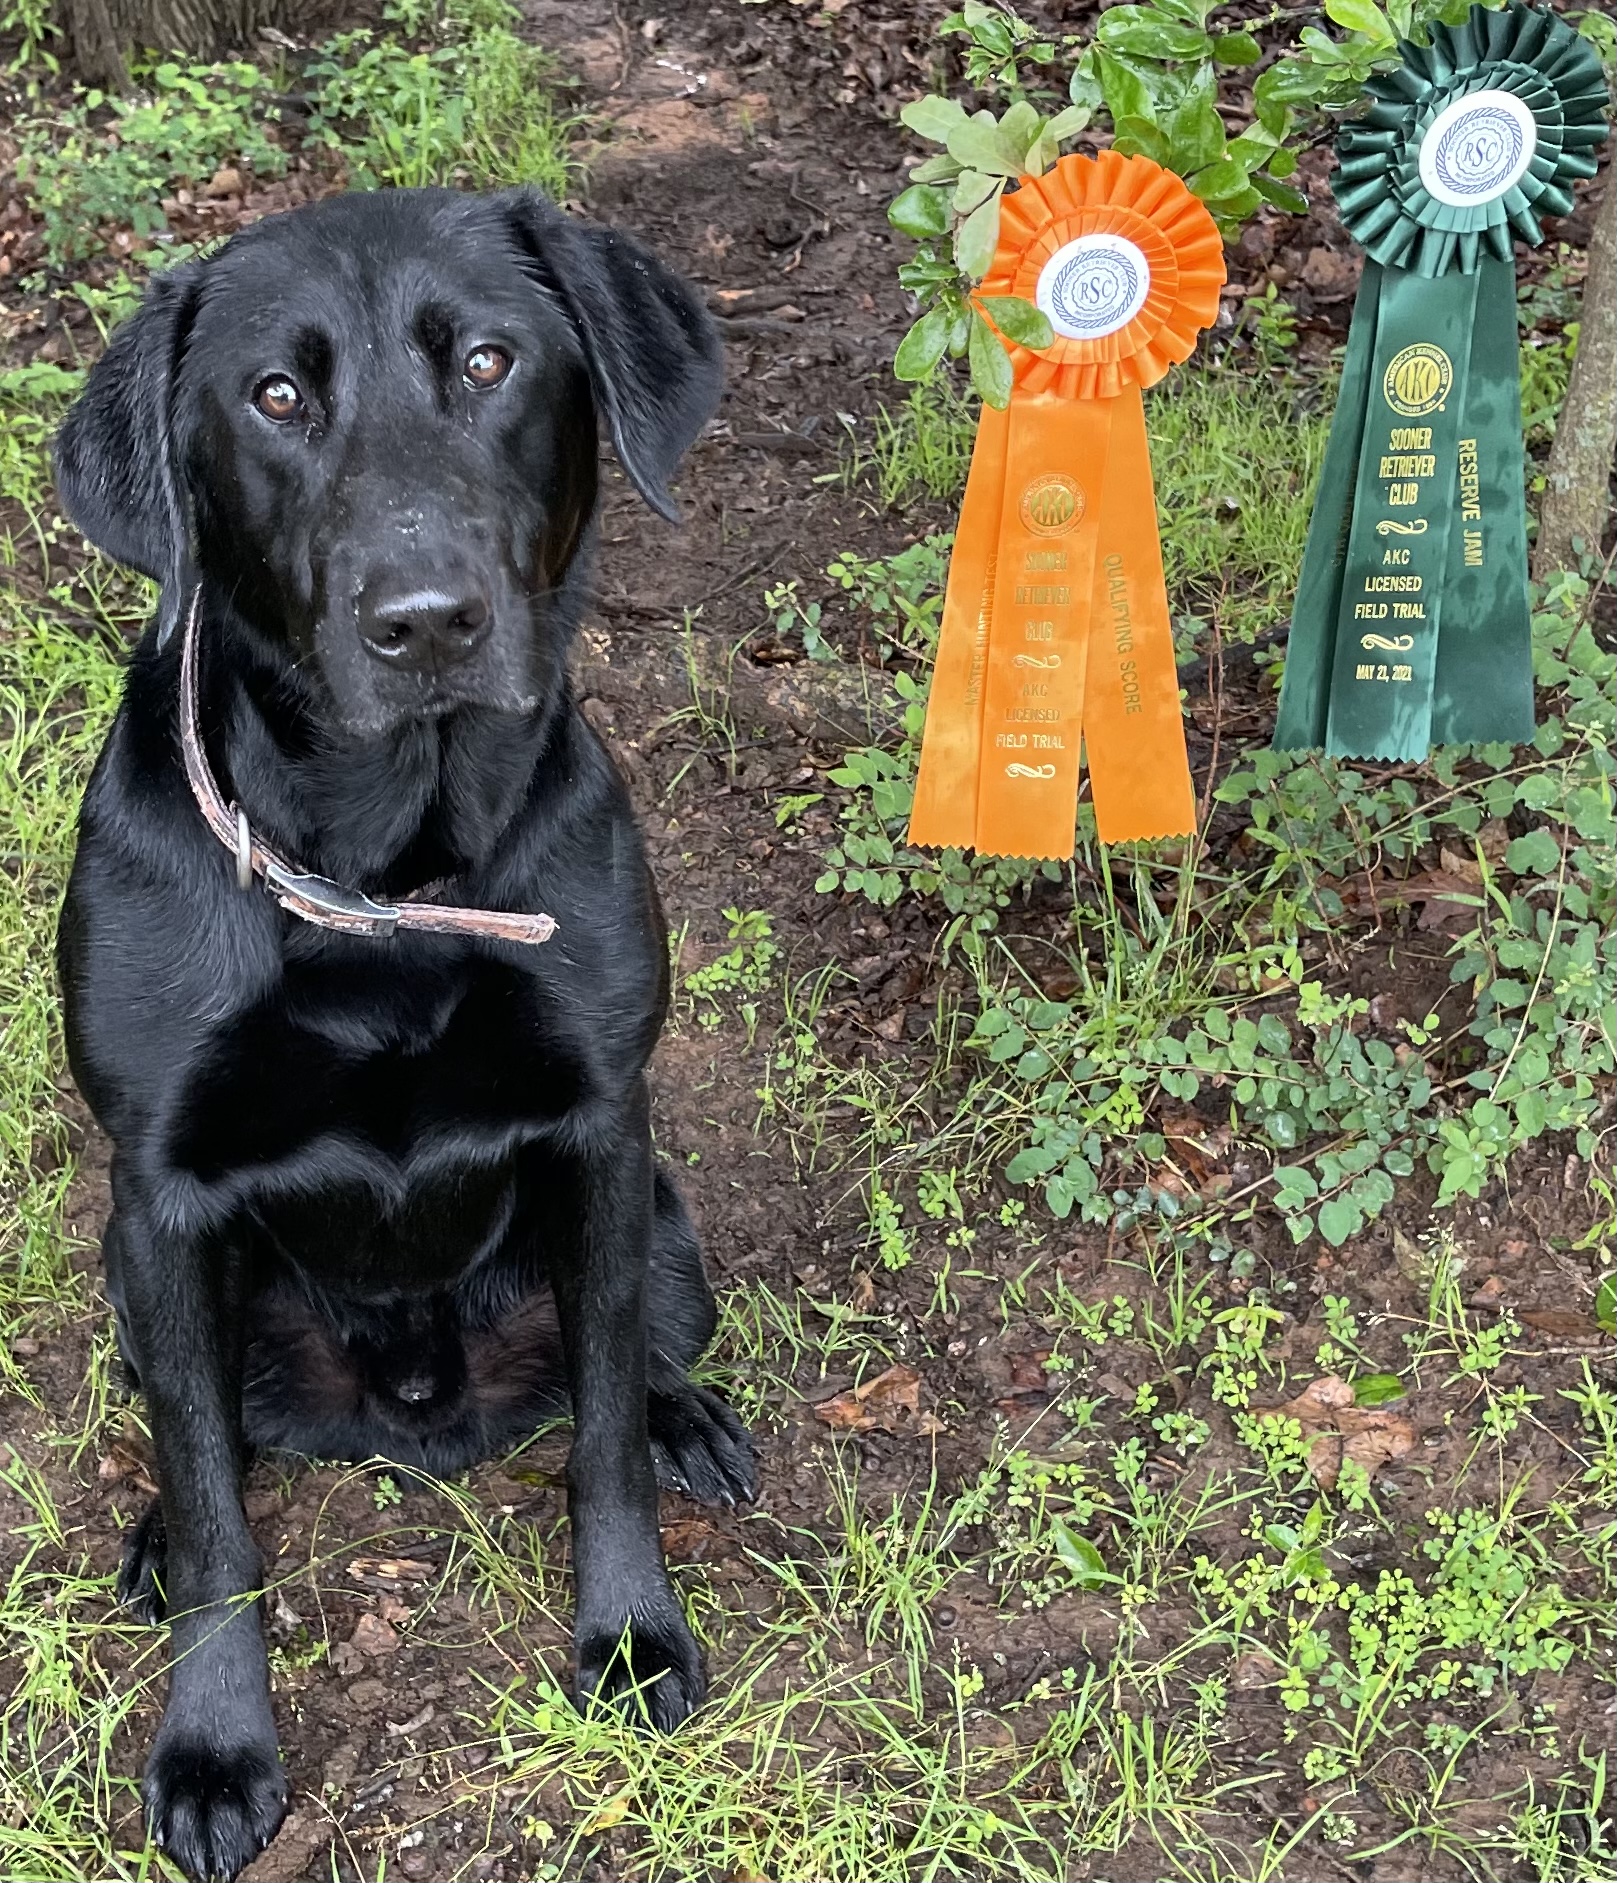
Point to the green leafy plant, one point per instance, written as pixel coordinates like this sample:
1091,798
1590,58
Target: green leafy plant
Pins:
1150,72
473,103
108,162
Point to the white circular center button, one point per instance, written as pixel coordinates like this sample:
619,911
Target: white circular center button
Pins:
1477,148
1093,286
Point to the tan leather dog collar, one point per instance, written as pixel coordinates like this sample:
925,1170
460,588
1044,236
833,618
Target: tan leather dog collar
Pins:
314,898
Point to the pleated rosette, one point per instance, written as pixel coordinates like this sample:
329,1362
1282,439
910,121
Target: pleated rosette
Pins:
1471,140
1132,201
1055,636
1411,625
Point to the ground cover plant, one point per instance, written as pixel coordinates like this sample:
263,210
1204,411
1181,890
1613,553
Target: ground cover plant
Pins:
1170,1291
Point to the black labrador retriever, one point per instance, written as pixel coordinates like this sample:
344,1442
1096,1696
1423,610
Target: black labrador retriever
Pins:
383,1179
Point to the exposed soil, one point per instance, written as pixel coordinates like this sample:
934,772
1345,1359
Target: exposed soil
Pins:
755,148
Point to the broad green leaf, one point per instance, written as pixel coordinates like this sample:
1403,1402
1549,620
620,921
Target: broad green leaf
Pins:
977,238
1019,320
978,144
1124,87
1041,154
1339,1218
1143,32
1229,212
1536,854
1140,137
1294,202
1019,127
1291,82
1084,87
1255,145
933,118
990,365
1220,181
1362,16
919,212
1606,1305
1080,1556
974,188
922,347
940,169
1236,49
1282,1130
1195,135
1068,122
1377,1389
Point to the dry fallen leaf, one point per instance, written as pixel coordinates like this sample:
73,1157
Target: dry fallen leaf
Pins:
689,1539
891,1402
1458,863
372,1635
125,1463
1337,1429
1563,1323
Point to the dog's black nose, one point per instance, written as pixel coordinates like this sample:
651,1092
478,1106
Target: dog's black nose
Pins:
421,627
416,1389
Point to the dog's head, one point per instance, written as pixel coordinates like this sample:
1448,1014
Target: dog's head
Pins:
370,426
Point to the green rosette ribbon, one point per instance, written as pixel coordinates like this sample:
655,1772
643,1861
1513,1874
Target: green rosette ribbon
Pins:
1410,625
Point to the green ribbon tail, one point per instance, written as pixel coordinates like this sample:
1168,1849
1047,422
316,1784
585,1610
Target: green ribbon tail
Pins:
1383,675
1305,688
1484,683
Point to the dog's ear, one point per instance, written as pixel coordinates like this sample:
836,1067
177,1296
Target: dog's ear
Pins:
115,468
654,357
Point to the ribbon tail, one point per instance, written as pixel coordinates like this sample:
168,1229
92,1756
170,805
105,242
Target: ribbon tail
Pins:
1311,645
1384,667
1134,726
944,811
1483,688
1055,471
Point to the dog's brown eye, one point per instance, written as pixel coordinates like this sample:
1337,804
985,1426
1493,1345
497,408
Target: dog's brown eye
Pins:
277,398
486,366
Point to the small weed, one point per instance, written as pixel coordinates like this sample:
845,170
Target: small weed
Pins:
473,105
107,163
920,450
743,971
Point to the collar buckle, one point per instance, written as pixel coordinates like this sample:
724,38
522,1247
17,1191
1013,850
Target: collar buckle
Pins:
318,898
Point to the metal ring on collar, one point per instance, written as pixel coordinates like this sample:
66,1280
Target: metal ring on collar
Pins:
244,851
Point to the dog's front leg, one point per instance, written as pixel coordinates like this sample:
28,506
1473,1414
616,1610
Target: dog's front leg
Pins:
214,1788
633,1645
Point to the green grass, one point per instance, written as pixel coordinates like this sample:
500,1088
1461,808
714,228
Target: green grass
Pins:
443,94
1235,458
465,101
58,685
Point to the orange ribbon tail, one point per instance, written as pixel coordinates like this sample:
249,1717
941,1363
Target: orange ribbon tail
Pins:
1055,634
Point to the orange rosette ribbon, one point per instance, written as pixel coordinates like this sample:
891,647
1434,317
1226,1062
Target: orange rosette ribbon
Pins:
1055,626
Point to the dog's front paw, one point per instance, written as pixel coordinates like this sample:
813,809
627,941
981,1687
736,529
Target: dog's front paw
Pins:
145,1561
698,1444
212,1811
650,1669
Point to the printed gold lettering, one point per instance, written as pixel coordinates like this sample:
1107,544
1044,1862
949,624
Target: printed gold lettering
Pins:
1042,597
1470,483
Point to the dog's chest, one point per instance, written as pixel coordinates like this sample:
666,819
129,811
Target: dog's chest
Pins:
391,1085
